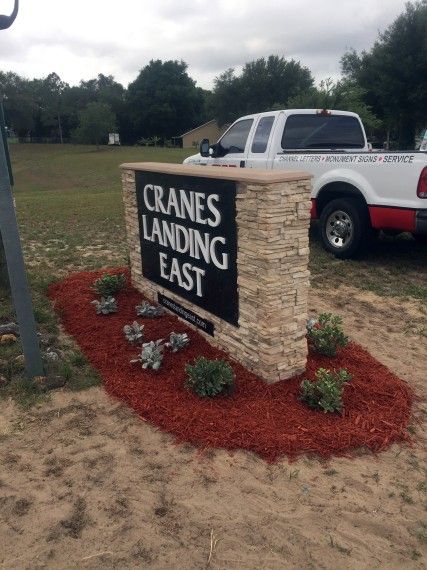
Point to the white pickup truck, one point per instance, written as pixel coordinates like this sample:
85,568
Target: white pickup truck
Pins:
355,190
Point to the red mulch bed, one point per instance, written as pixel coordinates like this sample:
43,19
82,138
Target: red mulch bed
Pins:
267,420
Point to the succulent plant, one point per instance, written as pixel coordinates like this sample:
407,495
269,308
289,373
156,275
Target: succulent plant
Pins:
326,392
177,341
109,284
105,306
133,332
326,334
151,355
209,378
147,310
52,354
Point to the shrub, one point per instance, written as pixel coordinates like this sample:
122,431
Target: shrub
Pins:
133,332
208,378
151,355
105,306
325,393
147,310
109,284
326,334
177,341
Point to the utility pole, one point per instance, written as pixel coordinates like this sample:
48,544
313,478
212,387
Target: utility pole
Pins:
11,244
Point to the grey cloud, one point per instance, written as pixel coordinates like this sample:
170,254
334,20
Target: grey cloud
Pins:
173,10
77,46
12,48
219,41
211,36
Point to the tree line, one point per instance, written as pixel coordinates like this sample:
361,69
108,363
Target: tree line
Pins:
163,102
386,85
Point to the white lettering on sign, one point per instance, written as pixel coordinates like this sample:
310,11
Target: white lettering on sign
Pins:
189,205
195,243
183,276
149,206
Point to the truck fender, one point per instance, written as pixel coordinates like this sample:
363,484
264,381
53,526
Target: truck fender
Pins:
195,159
338,183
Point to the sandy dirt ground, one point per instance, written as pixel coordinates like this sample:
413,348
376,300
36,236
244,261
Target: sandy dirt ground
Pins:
84,483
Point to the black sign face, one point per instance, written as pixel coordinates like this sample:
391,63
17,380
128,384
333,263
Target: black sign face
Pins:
202,324
189,238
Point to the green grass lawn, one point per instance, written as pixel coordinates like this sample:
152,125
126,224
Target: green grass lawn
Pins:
70,214
69,203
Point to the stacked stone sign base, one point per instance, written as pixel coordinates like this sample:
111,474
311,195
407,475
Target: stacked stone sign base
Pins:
227,249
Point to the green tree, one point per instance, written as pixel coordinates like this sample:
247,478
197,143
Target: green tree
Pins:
163,100
343,95
261,84
394,73
48,94
226,101
105,89
74,100
102,89
19,104
96,121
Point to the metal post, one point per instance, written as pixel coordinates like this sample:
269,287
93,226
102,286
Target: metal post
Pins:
16,269
7,21
4,276
12,247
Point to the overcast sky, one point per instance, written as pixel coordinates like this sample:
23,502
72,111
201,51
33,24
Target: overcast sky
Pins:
80,38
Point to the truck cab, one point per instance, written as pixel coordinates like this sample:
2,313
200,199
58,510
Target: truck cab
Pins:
253,141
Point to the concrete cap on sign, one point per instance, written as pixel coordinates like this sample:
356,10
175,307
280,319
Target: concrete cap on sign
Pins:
249,175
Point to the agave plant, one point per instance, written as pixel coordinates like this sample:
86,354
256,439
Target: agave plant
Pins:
177,341
133,332
151,355
105,306
147,310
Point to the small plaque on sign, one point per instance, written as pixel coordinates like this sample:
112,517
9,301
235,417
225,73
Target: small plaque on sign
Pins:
203,324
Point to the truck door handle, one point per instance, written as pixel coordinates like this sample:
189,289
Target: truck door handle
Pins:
242,163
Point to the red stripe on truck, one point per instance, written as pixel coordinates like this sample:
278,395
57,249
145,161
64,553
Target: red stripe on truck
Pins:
387,218
313,210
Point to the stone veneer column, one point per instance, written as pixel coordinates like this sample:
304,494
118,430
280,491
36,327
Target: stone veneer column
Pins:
273,215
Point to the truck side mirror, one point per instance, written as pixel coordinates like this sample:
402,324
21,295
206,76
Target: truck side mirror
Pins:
204,148
215,151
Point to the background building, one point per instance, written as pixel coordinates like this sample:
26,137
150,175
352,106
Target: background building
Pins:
209,130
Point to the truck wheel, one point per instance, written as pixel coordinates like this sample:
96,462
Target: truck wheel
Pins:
344,226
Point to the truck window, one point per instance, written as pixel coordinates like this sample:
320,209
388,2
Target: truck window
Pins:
235,138
262,134
322,131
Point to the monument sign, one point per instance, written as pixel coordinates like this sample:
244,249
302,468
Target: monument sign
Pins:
226,249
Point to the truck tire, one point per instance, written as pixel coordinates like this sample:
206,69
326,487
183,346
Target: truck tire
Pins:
344,227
